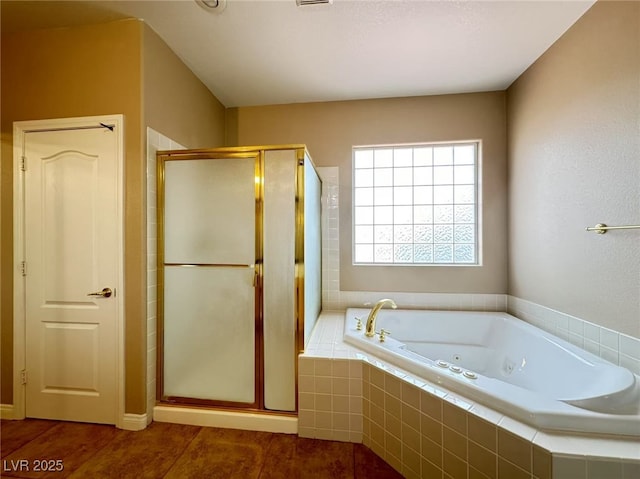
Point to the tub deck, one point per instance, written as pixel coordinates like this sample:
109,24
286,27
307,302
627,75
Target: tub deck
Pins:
502,362
363,382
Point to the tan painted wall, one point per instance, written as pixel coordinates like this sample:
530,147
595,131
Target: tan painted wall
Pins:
79,72
574,161
120,67
176,102
331,129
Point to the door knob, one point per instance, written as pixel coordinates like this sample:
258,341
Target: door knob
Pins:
105,293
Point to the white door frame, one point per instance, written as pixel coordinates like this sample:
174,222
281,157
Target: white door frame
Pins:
20,128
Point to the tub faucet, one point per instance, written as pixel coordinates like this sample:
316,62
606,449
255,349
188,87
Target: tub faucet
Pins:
370,329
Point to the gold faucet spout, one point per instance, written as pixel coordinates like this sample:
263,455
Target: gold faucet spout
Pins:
370,329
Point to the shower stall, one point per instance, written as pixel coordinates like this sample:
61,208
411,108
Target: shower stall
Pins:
239,274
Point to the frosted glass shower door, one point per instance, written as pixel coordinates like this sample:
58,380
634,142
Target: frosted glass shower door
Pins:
209,268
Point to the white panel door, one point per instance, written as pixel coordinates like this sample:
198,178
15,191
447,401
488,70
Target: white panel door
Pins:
72,250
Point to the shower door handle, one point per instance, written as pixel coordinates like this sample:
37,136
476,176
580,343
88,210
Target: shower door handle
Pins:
105,293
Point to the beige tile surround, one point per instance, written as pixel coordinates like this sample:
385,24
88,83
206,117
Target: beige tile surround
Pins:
423,430
155,141
615,347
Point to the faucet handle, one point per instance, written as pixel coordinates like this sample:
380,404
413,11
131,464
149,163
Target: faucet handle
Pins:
358,324
383,334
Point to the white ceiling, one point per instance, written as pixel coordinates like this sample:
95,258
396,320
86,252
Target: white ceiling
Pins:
261,52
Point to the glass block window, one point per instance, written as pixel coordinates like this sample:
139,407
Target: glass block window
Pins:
415,204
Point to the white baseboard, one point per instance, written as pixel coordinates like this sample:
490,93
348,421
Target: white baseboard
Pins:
6,411
134,422
130,422
226,419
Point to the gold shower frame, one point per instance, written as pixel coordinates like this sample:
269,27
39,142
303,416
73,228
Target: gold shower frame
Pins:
244,152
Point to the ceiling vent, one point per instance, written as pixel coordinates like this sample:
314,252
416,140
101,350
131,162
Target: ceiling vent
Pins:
212,5
302,3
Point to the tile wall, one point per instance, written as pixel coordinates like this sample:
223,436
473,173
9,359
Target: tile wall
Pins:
611,345
423,431
330,385
155,141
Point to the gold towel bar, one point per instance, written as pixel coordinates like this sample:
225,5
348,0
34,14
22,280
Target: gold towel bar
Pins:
601,228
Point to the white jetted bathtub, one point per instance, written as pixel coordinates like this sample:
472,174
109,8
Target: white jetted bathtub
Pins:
504,363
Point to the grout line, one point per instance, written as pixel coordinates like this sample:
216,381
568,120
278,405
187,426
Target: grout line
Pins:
53,424
266,455
187,444
114,438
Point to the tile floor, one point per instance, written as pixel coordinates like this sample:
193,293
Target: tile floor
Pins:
177,451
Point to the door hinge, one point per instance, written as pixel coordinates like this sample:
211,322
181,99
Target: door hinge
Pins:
23,268
23,376
23,163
